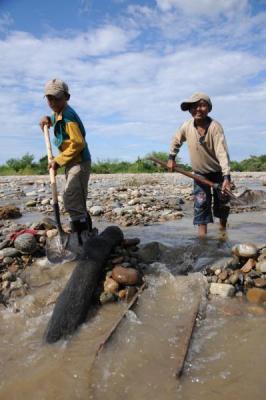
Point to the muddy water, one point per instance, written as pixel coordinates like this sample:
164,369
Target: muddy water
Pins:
227,355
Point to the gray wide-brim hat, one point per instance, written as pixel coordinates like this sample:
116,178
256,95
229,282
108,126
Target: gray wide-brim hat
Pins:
185,105
56,88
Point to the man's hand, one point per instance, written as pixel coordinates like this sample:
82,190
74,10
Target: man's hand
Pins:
226,185
45,121
53,164
171,164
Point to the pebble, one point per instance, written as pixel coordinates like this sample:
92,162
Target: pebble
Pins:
96,210
222,289
125,276
9,211
9,252
106,297
261,266
110,285
26,243
256,295
247,250
260,282
8,260
234,278
31,203
247,267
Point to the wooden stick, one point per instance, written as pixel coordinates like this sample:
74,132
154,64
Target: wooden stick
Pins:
186,338
118,321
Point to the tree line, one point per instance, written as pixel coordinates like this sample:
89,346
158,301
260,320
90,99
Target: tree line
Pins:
27,166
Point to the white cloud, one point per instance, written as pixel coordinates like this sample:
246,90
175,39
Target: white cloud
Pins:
203,7
5,22
128,91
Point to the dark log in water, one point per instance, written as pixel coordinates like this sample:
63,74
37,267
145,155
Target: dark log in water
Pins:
73,303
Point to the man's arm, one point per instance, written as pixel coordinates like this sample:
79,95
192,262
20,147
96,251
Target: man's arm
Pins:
177,141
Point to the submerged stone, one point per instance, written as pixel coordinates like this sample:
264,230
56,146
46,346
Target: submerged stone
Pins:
256,296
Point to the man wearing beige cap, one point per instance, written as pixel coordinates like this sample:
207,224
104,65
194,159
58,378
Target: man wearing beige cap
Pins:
74,155
209,158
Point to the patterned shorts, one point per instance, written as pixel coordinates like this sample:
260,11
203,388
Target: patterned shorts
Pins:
207,202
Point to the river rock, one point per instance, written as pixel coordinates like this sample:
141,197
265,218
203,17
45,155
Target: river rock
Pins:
125,276
110,285
122,294
149,252
107,297
247,267
8,260
96,210
45,202
51,233
222,289
256,295
223,262
261,266
223,275
260,282
17,284
26,243
7,212
47,223
7,276
246,250
31,203
131,242
9,252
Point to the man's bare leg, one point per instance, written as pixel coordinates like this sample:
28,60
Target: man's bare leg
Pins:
223,224
202,230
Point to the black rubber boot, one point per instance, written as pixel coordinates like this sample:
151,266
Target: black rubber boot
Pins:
89,222
78,227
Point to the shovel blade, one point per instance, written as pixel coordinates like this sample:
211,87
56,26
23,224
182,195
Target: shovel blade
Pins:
57,251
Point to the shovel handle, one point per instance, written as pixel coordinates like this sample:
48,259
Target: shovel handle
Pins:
50,158
196,178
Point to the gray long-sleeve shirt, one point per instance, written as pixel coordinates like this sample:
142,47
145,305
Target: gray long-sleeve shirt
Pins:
211,156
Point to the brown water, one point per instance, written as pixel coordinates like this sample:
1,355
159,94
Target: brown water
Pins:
227,355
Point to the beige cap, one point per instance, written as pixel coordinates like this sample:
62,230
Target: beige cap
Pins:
185,105
56,88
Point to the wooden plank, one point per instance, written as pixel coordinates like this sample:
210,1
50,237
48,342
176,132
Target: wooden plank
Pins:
184,341
118,320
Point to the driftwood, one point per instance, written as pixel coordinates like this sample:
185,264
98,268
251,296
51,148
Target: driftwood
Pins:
73,303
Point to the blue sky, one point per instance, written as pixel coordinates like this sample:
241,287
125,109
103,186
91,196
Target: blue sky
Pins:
129,64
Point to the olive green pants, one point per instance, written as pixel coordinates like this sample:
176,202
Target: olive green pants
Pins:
76,190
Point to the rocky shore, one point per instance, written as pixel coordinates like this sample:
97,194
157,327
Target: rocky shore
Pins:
124,200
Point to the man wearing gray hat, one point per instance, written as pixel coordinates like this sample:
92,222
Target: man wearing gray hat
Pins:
74,154
209,158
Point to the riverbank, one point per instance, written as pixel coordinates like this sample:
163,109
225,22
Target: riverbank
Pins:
30,370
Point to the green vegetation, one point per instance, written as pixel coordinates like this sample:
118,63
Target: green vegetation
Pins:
254,163
26,165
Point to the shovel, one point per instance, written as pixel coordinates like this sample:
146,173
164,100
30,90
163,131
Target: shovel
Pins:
247,198
56,250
